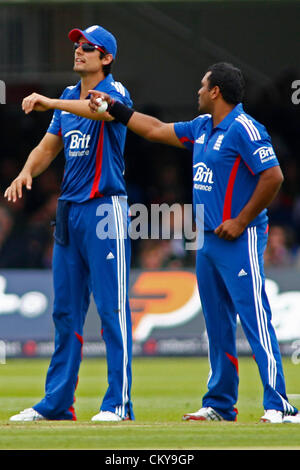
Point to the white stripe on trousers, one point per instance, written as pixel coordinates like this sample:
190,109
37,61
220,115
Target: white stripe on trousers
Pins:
261,315
121,263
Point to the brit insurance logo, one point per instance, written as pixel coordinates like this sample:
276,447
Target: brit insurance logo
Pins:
203,179
265,153
80,143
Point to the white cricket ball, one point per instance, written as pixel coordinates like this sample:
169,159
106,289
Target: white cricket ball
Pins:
102,105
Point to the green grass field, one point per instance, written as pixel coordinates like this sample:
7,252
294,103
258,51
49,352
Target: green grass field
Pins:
164,389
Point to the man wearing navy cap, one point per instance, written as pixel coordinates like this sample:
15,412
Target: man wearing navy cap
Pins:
86,261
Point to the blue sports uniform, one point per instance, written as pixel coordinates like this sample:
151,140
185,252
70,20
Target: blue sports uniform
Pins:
85,262
227,161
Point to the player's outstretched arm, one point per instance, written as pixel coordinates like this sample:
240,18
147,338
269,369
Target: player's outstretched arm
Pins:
38,161
142,124
37,102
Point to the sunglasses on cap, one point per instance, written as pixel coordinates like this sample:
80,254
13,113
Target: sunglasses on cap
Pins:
87,47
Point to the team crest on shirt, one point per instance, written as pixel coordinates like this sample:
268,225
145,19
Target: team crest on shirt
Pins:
218,142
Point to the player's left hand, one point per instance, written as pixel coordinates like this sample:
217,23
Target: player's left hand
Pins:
230,229
36,102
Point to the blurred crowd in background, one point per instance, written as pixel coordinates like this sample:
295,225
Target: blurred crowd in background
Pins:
155,174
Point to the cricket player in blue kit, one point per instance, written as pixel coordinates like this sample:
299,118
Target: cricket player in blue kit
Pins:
84,261
235,176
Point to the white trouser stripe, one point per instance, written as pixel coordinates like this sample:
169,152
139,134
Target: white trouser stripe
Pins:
287,407
261,316
120,285
260,311
254,285
118,269
121,263
273,368
123,305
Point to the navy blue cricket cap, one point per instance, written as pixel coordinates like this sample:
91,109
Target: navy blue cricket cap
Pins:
98,36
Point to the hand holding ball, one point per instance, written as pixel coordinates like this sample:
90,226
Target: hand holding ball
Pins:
102,105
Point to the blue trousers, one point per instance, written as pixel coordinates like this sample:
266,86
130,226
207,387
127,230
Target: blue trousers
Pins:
90,263
231,281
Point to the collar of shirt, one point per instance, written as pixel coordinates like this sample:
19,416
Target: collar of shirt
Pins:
100,86
226,122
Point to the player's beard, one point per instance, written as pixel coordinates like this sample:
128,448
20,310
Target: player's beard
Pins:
203,108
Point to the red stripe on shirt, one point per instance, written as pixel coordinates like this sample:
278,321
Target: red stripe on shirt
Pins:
186,139
229,189
99,157
252,172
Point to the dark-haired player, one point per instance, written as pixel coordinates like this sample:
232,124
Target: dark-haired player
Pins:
236,176
84,261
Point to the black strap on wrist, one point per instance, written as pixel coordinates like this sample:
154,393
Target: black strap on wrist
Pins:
120,112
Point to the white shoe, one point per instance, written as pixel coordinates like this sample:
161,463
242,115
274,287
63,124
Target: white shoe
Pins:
292,419
29,414
107,416
272,416
204,414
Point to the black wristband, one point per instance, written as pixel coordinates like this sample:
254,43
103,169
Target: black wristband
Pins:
120,112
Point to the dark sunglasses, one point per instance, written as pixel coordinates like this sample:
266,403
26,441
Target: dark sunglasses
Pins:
87,47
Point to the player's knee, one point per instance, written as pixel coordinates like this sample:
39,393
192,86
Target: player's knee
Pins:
62,321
